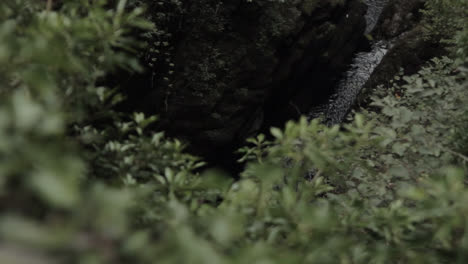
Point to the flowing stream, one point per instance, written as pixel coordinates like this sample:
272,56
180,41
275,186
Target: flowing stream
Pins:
362,67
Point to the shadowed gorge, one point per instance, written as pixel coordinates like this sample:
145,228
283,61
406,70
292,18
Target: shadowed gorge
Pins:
307,59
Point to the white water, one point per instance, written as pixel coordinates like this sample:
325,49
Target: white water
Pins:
375,8
362,67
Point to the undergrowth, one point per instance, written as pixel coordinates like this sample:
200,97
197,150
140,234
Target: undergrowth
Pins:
83,183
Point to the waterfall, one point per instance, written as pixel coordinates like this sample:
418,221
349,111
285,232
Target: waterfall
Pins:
362,67
374,10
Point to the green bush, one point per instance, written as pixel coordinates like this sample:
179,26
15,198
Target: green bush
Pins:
83,183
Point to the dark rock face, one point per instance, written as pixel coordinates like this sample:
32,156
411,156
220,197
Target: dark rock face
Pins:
240,65
398,17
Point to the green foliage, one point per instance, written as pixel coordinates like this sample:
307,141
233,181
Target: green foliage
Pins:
83,183
446,20
383,190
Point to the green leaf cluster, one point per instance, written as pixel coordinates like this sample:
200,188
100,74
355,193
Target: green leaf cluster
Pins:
81,182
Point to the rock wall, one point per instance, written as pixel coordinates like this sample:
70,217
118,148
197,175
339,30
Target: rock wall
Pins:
220,71
279,53
239,65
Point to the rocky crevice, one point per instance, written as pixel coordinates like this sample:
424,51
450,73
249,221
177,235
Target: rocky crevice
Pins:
256,67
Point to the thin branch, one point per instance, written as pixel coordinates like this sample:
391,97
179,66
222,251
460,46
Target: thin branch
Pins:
461,156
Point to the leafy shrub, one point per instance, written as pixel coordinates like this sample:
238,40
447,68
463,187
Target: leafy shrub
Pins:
445,19
83,183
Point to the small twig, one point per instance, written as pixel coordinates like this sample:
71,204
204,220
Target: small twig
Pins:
461,156
295,107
